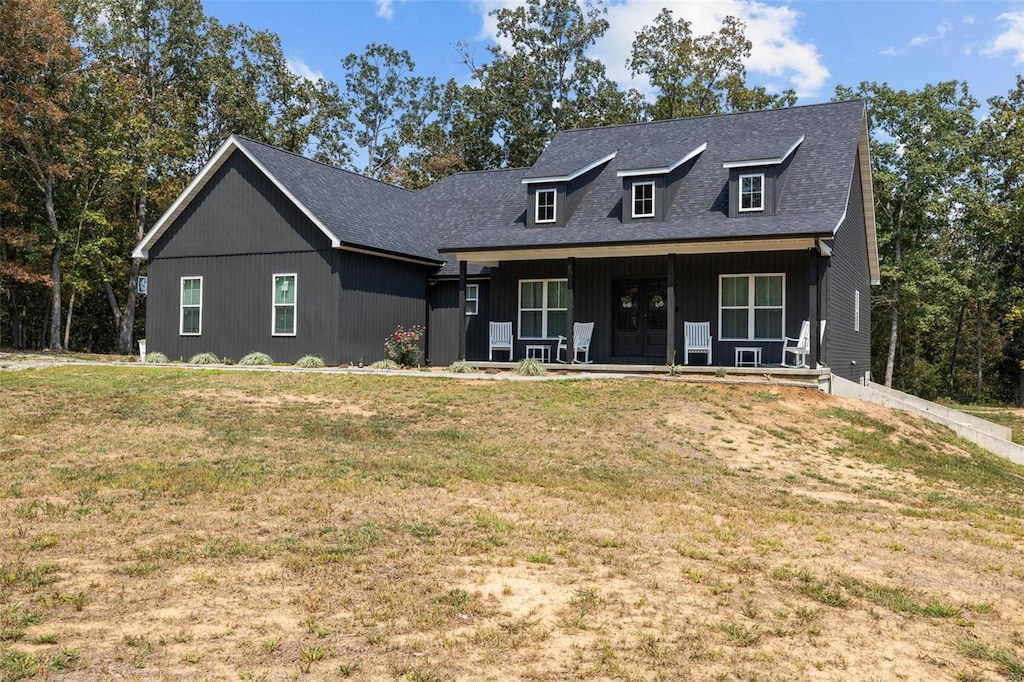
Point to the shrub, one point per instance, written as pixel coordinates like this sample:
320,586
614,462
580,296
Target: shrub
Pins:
530,367
385,364
256,358
156,357
310,361
460,367
204,359
403,345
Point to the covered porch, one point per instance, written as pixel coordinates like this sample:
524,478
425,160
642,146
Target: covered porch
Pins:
752,295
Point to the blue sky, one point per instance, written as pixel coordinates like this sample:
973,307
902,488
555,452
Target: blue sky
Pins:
809,45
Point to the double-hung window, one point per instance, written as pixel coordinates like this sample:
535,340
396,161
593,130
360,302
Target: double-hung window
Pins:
643,199
751,307
191,321
546,205
472,299
752,192
284,305
542,308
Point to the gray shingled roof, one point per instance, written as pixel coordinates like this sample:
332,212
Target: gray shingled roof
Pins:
485,211
360,211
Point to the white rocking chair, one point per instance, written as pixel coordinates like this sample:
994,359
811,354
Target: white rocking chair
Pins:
800,346
696,339
581,335
501,340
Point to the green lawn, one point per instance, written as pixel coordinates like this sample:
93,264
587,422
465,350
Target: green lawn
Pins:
256,525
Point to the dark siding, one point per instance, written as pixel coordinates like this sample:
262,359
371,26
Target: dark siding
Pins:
239,211
237,233
849,352
660,198
237,306
444,323
377,295
696,294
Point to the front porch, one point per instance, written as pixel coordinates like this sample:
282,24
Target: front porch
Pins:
638,306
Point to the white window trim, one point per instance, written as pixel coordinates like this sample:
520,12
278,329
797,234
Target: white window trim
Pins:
554,206
181,306
751,308
739,199
475,298
544,309
856,310
274,305
653,195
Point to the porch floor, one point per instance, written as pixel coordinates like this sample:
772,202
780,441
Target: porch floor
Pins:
800,375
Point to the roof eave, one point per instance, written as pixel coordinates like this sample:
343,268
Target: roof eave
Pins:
632,172
571,176
743,163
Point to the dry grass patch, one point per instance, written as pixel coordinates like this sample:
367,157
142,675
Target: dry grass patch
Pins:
219,525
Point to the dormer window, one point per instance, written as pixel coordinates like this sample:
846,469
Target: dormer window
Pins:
752,192
643,199
546,205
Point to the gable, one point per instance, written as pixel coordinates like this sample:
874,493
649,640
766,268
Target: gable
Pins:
238,210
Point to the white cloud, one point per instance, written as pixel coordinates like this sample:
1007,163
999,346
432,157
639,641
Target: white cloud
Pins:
968,19
302,69
776,50
385,9
1010,40
940,32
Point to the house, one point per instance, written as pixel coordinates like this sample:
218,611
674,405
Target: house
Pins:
755,222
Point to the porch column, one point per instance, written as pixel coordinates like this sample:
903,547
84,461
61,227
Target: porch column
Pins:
812,309
670,349
462,310
570,310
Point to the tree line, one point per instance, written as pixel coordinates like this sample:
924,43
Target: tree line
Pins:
109,107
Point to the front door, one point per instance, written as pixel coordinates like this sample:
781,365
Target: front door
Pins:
641,317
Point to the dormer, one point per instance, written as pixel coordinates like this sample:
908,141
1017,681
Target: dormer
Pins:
648,190
756,183
552,194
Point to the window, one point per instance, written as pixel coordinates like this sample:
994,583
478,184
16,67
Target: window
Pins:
752,192
643,199
191,323
284,305
542,308
751,307
472,299
546,205
856,310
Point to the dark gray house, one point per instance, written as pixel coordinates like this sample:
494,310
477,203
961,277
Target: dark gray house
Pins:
753,222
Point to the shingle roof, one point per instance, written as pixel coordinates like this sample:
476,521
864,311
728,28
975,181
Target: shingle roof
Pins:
484,211
359,211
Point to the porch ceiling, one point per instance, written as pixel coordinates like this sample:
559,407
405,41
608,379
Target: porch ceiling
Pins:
491,257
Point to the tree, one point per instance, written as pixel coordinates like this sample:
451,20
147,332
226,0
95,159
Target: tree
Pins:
390,105
698,76
920,152
544,82
39,72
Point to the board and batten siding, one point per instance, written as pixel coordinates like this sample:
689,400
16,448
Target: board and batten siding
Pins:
236,234
849,350
696,296
444,323
377,295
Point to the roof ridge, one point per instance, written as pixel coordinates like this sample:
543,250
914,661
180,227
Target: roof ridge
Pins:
322,163
722,115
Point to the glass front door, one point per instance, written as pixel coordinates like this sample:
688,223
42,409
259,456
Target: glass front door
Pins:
641,317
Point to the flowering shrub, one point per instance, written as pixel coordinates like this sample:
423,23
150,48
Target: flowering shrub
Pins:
403,345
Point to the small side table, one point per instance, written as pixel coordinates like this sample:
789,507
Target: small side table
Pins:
748,356
539,351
